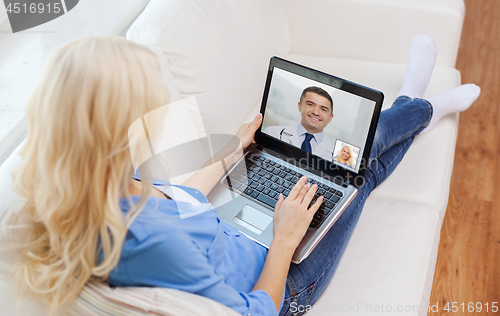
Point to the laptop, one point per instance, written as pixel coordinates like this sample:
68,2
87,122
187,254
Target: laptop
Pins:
296,101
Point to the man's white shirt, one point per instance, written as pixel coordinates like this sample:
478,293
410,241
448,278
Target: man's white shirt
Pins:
295,134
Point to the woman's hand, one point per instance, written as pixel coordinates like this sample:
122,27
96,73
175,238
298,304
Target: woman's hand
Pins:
246,132
292,217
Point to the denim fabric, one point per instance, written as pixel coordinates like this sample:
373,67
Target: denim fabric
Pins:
395,132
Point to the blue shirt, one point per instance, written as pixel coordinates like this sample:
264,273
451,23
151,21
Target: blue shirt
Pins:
198,254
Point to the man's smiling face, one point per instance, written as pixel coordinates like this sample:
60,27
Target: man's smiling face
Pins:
316,112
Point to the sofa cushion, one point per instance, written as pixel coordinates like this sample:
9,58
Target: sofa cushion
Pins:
101,300
374,30
12,227
221,59
389,260
12,305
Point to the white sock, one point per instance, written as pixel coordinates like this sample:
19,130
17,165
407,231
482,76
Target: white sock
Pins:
455,100
421,60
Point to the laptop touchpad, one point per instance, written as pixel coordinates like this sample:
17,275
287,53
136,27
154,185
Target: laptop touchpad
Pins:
253,219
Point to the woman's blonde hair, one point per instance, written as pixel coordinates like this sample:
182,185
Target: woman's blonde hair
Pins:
76,162
349,161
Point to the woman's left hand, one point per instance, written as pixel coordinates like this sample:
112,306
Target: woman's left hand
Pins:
246,132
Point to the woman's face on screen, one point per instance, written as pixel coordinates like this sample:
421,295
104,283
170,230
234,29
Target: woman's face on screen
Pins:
346,153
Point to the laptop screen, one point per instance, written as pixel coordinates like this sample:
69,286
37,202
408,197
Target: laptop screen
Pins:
319,118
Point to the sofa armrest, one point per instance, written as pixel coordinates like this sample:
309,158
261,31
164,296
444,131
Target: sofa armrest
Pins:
374,30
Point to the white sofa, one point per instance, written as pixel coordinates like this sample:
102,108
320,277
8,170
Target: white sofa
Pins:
22,55
218,51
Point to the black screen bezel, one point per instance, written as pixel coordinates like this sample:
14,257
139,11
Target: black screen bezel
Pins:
314,161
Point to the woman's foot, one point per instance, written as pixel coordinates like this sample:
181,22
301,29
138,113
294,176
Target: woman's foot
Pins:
421,60
456,100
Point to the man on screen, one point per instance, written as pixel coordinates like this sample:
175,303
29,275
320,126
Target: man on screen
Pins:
316,111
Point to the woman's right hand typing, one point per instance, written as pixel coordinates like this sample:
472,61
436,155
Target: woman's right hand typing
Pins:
292,215
291,220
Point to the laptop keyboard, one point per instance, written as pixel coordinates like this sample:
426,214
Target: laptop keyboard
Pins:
264,179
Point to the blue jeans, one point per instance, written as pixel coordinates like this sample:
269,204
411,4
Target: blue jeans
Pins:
396,130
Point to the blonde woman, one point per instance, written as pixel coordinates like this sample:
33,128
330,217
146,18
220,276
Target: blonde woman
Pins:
76,161
93,221
345,157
